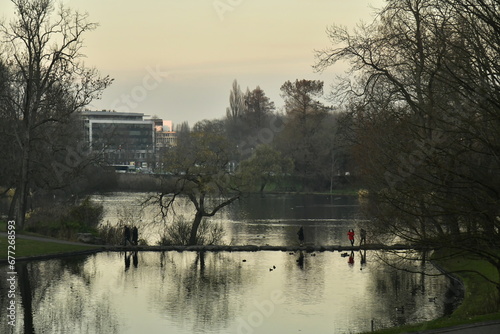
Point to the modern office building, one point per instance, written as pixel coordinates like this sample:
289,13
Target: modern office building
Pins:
122,138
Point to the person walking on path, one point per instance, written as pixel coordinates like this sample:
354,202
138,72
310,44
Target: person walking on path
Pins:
126,236
300,233
362,237
350,234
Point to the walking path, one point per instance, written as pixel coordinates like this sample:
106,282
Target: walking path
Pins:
47,239
490,327
214,248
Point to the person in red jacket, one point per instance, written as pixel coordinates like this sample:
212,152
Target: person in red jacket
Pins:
350,234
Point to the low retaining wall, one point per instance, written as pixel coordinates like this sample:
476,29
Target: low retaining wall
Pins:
214,248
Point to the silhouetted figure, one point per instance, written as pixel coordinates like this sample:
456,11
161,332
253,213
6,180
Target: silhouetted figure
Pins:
300,233
126,236
362,237
350,234
135,235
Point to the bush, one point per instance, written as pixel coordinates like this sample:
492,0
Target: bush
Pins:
111,234
179,232
87,214
61,221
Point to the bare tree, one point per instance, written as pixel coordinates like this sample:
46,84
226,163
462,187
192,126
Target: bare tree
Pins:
200,169
423,91
48,80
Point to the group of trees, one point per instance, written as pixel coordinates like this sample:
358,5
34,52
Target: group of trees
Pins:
253,147
298,142
422,111
43,83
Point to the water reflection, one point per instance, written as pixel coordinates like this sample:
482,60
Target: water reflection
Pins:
197,294
208,292
135,259
59,297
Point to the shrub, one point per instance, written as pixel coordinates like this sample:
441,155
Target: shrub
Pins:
62,221
179,231
111,234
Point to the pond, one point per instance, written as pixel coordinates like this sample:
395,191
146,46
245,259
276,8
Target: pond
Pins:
256,220
232,292
240,292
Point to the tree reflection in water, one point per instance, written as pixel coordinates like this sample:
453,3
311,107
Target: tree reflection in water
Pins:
198,289
404,283
56,296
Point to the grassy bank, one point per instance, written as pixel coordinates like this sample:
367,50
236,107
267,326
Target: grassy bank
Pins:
480,301
26,247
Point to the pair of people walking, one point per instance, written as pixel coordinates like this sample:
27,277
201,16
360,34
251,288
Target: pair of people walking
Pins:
350,235
130,237
362,234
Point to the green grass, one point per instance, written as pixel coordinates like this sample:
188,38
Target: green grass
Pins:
481,296
25,247
438,323
480,300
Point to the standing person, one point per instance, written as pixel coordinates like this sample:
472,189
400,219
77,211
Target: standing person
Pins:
135,235
126,236
300,233
350,234
362,237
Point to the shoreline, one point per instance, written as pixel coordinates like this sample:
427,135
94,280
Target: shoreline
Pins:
209,248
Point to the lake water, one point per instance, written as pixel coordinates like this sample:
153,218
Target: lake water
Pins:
238,292
256,220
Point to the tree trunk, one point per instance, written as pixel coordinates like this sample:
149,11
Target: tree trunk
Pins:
194,227
13,203
20,199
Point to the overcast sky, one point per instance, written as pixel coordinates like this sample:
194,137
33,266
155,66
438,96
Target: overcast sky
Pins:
177,58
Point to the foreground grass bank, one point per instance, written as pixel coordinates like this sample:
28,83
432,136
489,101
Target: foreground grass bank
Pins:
26,247
480,301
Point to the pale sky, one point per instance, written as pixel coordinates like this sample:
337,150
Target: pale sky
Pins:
178,58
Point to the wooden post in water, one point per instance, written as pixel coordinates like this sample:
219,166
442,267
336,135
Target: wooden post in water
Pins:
373,325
